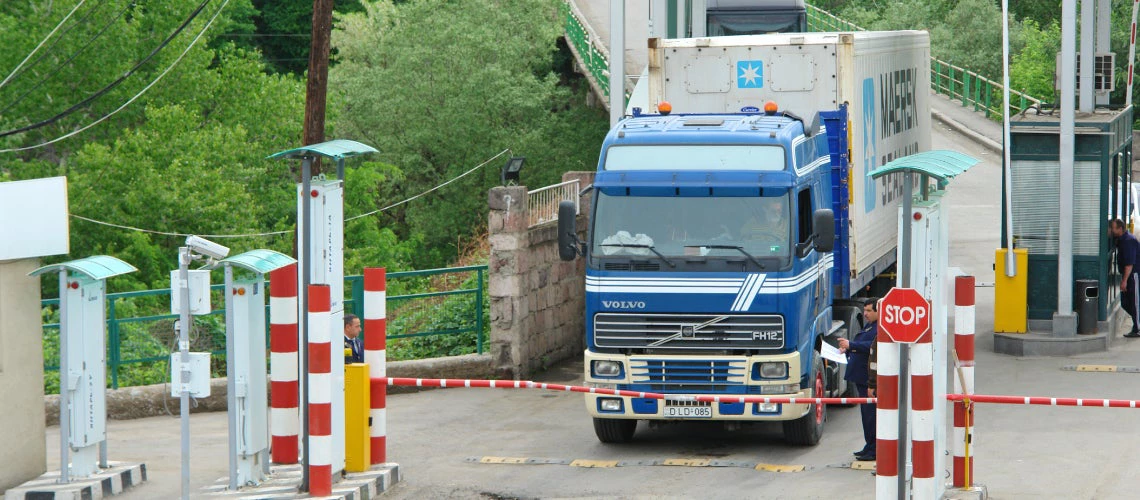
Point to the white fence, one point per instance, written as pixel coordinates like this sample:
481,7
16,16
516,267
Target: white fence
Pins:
542,203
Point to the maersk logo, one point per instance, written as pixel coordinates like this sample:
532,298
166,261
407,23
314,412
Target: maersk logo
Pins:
750,74
622,304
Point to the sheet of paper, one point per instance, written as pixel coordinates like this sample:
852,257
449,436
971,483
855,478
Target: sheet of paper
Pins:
831,352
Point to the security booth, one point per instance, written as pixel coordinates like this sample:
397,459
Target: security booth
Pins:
246,396
1102,175
320,244
83,362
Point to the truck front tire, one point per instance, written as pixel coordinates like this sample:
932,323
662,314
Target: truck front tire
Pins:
614,430
807,429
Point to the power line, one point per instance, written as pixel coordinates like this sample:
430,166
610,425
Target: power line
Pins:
115,83
274,233
83,20
136,96
41,44
60,66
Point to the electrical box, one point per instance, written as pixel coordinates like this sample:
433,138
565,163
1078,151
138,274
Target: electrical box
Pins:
248,342
199,292
326,246
85,362
199,386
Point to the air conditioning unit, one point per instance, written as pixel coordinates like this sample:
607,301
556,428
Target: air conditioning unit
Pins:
1104,72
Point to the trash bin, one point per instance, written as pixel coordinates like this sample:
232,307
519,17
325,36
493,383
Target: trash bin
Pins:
1088,293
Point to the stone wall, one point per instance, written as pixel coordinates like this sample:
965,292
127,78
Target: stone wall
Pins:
537,300
21,374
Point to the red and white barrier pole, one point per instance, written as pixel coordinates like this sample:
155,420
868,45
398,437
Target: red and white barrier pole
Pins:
375,354
964,381
923,484
887,418
284,414
320,392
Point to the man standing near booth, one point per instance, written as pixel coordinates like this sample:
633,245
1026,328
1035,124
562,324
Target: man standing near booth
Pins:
1127,250
353,350
861,372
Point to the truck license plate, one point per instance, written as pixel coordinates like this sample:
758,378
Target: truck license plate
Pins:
688,411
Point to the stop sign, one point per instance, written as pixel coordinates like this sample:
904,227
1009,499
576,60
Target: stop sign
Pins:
904,315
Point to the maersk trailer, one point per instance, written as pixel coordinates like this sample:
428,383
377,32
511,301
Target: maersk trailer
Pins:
693,287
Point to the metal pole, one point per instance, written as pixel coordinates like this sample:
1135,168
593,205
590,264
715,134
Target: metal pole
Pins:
658,19
305,240
1007,168
904,257
904,349
1067,140
904,408
617,61
231,377
682,20
184,323
1088,56
64,398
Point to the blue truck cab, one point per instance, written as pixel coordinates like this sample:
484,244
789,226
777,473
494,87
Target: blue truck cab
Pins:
710,258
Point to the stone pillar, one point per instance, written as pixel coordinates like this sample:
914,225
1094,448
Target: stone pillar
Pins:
508,286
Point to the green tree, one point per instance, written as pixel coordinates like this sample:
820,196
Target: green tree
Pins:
437,88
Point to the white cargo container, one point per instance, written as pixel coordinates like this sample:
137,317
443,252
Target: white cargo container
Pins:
883,77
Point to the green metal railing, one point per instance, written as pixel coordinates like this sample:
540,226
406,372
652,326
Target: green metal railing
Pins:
409,315
974,90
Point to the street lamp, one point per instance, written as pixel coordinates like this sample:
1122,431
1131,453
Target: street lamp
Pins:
510,174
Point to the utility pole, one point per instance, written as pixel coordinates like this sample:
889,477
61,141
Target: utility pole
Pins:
318,81
316,91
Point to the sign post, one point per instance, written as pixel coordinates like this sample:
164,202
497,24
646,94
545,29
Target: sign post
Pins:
905,318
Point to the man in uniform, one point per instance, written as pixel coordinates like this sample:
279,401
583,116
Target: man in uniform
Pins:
353,350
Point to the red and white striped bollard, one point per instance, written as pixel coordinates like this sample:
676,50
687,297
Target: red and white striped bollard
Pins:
964,379
284,412
887,417
320,392
375,354
923,484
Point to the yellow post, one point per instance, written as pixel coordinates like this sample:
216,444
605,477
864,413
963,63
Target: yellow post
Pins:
1011,295
357,447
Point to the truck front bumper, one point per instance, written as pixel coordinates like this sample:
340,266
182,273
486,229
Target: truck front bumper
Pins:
678,377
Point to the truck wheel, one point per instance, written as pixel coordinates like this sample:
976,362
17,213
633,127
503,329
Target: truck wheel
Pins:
807,429
614,430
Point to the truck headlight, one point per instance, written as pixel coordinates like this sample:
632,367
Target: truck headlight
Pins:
770,370
606,368
610,404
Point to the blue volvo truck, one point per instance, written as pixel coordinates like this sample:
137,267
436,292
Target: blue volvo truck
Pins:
711,258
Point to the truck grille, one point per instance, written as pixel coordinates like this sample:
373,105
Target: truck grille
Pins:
688,331
694,375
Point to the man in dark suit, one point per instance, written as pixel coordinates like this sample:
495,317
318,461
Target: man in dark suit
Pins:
860,371
1127,250
353,349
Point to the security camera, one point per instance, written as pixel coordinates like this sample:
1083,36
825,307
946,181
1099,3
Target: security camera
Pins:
206,247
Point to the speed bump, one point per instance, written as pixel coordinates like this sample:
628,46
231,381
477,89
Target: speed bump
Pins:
863,465
780,468
503,460
687,462
591,464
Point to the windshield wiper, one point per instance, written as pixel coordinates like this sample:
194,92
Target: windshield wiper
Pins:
739,249
639,245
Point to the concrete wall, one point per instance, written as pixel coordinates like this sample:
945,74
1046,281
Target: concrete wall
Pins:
537,300
21,375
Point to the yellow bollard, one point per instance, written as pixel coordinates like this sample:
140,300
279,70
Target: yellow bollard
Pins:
357,443
1011,295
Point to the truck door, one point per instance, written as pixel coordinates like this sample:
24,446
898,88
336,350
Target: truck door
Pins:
809,258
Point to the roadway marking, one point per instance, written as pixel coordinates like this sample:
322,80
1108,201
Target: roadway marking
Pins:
687,462
780,468
1101,368
594,463
863,465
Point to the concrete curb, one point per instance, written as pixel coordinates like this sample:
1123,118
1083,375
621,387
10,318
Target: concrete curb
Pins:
154,400
967,131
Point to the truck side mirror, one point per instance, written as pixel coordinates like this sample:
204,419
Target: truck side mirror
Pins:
567,230
823,220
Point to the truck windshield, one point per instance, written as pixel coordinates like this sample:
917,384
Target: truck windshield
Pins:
753,228
695,157
756,23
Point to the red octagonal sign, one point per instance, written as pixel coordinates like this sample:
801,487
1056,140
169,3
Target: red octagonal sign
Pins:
904,315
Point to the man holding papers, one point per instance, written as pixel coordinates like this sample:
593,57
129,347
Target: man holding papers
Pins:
861,371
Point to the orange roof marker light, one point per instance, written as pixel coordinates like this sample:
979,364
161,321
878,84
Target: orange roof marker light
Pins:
770,108
664,107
